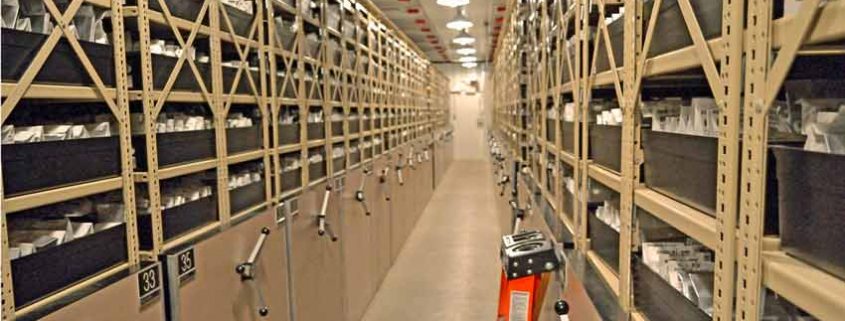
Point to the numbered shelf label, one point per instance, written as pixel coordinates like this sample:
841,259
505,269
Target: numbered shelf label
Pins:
187,263
149,283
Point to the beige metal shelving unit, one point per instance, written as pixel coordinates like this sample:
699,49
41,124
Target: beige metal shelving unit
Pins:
117,100
396,77
735,233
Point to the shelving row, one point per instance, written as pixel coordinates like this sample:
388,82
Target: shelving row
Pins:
690,113
136,129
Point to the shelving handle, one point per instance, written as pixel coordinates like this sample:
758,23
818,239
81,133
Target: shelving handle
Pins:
321,217
399,166
359,194
383,180
503,183
247,270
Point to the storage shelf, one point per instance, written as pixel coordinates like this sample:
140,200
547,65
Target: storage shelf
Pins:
236,216
280,4
549,197
71,93
188,237
288,148
61,194
90,282
605,271
605,176
567,158
688,220
245,156
809,288
192,97
404,79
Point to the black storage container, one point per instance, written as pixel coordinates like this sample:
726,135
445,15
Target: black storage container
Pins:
670,26
337,128
367,153
683,166
568,204
313,91
604,240
354,158
179,220
339,164
185,9
316,131
567,130
163,66
244,139
241,21
316,171
290,87
34,166
552,221
658,300
367,125
246,196
176,148
551,132
354,126
291,180
47,271
312,46
288,134
606,146
243,83
62,65
811,190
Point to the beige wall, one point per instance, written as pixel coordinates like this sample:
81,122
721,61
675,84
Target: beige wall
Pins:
469,115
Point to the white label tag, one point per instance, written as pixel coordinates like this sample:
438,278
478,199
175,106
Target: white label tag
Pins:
519,306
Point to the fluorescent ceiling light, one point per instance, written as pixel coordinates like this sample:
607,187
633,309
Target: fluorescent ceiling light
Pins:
466,51
468,59
452,3
464,39
459,22
469,64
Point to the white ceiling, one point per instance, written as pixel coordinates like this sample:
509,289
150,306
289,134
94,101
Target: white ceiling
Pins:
424,21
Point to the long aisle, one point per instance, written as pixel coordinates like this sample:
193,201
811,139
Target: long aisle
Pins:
449,267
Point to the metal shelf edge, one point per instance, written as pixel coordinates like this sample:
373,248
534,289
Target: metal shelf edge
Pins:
52,196
688,220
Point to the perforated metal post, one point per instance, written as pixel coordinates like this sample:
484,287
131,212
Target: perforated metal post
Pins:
125,132
630,168
302,98
8,309
733,19
581,96
763,80
752,208
217,107
150,115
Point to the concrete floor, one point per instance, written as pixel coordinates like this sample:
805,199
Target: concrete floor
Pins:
449,267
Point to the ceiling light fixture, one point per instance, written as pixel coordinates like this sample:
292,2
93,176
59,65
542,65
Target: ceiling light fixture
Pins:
464,39
460,21
466,51
469,64
468,59
452,3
